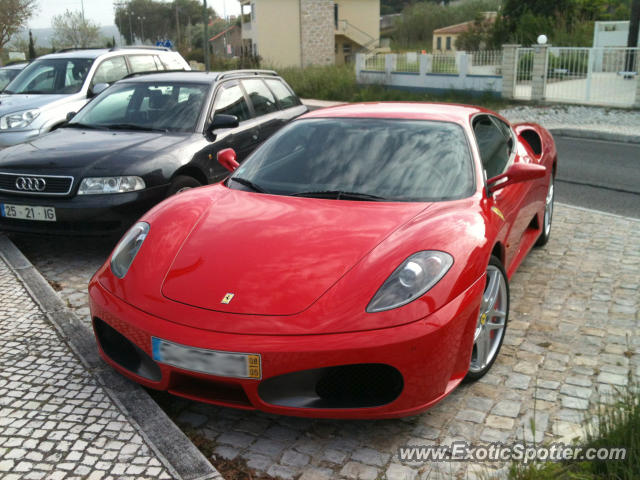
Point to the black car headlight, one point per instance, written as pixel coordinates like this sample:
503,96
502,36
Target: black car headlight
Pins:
127,249
412,279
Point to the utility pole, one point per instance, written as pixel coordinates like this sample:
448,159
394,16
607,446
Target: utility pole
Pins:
205,37
632,39
82,5
177,26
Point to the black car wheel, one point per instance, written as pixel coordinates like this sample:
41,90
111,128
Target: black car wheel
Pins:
182,183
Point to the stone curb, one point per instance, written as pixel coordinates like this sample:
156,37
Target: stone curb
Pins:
595,135
176,452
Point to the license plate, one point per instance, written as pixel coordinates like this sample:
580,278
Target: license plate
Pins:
211,362
28,212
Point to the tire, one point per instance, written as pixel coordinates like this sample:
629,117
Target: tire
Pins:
182,183
548,216
492,321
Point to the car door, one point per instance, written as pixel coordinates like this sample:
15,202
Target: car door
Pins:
264,106
496,144
109,71
230,99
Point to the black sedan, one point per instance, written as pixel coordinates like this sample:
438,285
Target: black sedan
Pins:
140,141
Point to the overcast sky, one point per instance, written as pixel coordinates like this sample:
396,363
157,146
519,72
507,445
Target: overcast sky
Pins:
102,12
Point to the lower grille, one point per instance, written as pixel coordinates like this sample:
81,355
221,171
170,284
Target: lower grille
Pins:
29,184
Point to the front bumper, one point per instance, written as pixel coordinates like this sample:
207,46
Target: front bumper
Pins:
84,214
431,356
9,138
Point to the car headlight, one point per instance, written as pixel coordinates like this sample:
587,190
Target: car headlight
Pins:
127,249
99,185
18,119
412,279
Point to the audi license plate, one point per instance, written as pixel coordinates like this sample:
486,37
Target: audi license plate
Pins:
28,212
212,362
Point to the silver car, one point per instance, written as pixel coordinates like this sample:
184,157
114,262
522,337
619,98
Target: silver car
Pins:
39,99
9,72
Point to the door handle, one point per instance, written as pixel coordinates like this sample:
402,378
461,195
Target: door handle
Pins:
254,136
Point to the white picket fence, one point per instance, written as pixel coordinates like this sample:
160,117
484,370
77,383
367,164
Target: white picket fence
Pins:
598,76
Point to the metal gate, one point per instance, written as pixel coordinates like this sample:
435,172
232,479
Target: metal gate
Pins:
600,76
595,76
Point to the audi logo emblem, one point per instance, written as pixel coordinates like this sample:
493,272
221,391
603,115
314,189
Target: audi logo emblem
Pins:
31,184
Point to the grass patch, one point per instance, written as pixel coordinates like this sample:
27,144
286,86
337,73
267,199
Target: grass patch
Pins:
338,83
612,425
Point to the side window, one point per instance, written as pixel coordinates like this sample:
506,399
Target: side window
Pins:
142,63
230,101
110,71
285,97
260,96
159,65
171,61
493,145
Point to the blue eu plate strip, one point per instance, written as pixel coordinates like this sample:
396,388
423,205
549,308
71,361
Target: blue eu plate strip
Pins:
155,349
2,214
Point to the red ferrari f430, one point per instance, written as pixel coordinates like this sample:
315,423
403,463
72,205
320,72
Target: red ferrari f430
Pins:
356,265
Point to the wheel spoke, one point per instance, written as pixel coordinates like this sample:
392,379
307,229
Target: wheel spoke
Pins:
495,325
492,291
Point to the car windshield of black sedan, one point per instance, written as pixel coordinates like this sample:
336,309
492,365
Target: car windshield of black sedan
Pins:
173,107
362,159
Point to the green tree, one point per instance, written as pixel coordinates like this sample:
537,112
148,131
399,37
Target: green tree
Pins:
71,29
14,15
158,20
32,47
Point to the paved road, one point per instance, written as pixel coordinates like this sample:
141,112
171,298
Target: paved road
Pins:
600,175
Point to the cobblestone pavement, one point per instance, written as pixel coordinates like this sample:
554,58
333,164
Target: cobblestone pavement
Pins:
56,422
573,338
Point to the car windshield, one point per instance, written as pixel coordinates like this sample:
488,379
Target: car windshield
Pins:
57,76
6,75
362,159
161,106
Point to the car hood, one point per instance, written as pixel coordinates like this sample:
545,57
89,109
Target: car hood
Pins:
276,255
79,153
15,102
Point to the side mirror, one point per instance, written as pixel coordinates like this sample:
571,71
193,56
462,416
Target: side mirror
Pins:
227,158
70,115
97,89
518,172
221,121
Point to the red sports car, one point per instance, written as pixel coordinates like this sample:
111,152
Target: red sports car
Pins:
356,265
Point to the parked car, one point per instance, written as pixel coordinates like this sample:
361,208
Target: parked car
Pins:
9,72
39,98
355,265
143,139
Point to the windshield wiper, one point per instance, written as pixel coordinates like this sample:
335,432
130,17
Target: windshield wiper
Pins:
8,92
131,126
83,125
31,92
339,195
248,183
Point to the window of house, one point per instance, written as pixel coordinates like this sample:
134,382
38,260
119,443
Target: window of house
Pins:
448,43
230,101
261,97
439,43
335,14
346,48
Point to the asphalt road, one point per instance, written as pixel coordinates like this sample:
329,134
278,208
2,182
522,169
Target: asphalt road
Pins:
598,174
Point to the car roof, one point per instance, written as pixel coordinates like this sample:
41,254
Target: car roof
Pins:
14,66
193,76
402,110
97,52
